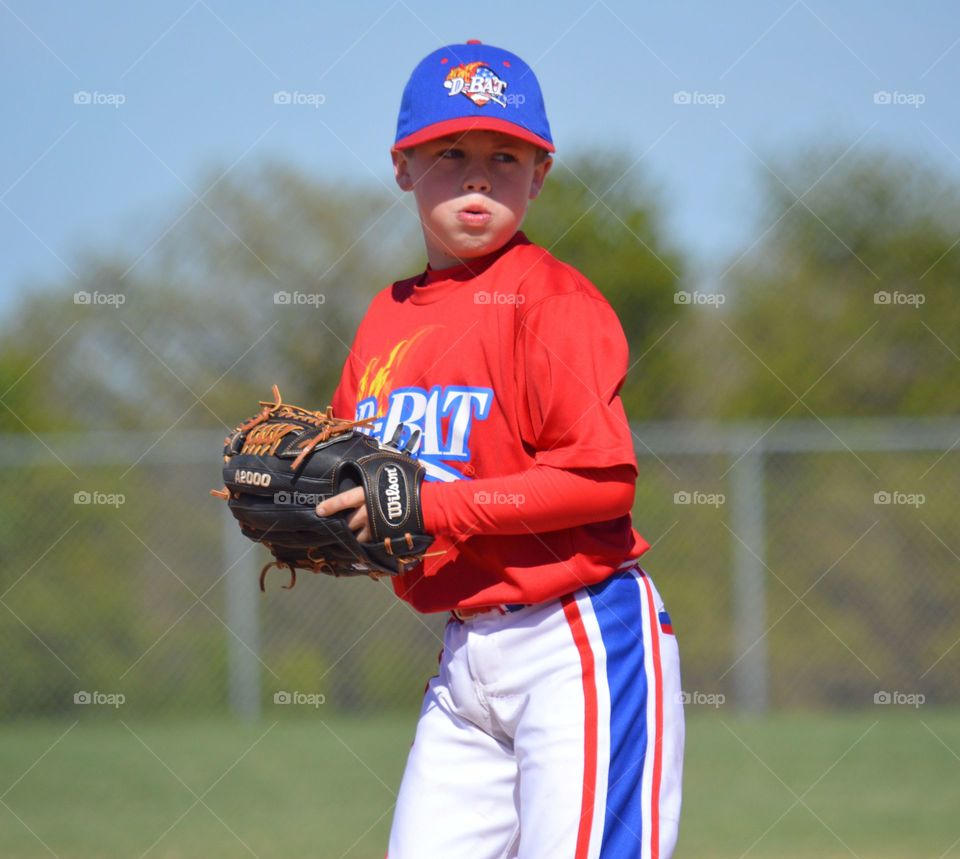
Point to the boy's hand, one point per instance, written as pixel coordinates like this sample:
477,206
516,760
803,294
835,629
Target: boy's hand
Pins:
352,498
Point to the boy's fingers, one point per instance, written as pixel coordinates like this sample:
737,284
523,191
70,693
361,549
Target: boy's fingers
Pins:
358,522
351,498
358,519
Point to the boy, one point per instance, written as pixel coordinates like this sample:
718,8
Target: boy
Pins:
554,727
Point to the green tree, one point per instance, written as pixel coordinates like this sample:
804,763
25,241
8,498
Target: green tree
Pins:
197,330
851,292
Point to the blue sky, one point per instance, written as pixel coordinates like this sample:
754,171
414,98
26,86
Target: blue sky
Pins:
197,77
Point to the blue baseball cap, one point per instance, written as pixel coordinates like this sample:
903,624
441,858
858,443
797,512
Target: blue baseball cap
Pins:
472,87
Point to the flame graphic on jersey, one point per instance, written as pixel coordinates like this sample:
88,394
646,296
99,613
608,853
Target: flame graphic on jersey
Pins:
377,378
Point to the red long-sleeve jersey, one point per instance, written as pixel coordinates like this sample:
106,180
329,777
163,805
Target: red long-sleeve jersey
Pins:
510,366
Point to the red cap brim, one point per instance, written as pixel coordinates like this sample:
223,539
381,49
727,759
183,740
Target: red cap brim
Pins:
472,123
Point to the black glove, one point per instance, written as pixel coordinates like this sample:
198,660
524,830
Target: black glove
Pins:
282,463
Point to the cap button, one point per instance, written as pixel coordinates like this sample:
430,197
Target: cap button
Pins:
474,42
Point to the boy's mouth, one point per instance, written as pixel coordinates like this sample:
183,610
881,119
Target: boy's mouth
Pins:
473,215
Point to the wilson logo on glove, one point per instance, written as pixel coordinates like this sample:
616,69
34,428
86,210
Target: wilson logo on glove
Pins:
393,491
278,463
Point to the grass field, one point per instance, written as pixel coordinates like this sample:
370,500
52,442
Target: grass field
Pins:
884,783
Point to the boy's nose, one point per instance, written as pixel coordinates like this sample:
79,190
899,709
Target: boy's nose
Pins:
476,181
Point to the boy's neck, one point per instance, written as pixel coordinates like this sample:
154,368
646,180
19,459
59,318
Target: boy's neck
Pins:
438,261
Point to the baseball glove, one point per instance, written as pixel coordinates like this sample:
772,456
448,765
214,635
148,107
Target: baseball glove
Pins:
285,460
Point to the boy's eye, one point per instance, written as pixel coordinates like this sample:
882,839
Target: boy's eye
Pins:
454,152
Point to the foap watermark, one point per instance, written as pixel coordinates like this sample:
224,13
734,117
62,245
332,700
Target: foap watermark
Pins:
484,297
102,699
309,299
310,699
514,499
100,499
899,499
702,499
899,99
702,99
711,299
517,99
702,699
299,99
100,299
99,99
902,699
899,299
299,499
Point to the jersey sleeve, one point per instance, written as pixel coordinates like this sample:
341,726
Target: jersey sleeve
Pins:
571,360
535,501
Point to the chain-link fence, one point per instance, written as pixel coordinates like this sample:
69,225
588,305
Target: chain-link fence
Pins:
804,565
807,564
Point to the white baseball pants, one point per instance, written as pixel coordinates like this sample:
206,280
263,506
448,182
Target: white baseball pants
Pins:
552,731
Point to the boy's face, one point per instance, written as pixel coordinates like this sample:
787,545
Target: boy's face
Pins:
472,191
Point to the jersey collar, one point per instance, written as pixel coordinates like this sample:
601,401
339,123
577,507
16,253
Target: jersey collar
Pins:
436,283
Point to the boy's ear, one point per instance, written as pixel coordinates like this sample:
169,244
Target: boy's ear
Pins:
539,174
401,169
